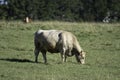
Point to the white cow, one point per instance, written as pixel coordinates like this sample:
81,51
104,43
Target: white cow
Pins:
57,41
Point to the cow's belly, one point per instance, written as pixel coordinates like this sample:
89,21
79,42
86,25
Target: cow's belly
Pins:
52,48
53,51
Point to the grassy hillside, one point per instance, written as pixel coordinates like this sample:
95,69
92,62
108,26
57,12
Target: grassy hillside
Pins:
100,41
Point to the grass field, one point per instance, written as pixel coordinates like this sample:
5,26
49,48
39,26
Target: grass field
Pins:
101,41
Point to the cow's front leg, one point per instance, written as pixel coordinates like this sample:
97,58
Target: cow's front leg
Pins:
63,55
44,56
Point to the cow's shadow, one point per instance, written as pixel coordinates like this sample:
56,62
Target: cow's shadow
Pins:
16,60
30,61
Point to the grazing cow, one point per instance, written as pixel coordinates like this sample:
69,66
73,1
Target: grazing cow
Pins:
57,41
27,20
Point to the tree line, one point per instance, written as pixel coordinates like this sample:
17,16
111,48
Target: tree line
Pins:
63,10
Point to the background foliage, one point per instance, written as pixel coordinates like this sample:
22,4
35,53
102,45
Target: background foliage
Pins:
66,10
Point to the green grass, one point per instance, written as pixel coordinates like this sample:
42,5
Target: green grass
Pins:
101,41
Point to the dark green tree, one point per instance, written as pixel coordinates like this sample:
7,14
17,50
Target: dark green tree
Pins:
66,10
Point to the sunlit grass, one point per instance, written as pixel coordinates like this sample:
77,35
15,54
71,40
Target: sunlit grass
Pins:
101,41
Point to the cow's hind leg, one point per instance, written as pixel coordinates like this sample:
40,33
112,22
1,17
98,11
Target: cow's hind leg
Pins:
37,49
44,56
36,52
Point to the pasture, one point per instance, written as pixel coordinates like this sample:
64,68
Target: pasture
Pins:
101,41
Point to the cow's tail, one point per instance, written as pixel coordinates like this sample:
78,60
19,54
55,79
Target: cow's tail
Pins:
36,42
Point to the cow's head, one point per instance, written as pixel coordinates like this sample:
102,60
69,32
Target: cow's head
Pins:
82,57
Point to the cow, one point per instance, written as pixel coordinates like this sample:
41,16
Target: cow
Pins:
27,20
57,41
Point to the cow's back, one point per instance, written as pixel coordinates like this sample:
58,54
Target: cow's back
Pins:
48,39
